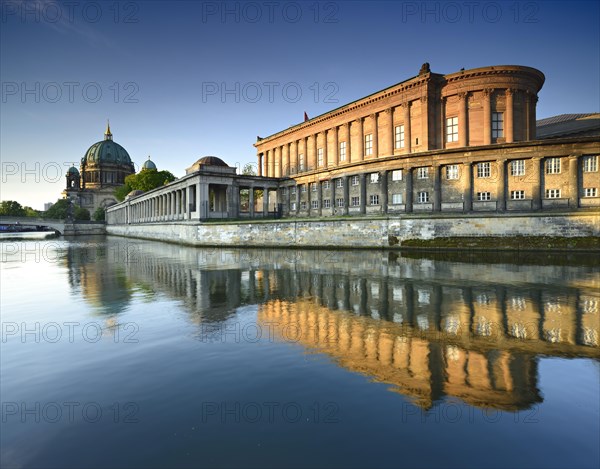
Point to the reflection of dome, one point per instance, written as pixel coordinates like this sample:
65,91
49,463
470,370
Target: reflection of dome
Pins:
149,164
73,170
211,161
134,193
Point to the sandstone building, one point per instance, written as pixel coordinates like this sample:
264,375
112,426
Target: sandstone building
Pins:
458,143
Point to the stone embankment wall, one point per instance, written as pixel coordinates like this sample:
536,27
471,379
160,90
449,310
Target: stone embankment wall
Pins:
364,232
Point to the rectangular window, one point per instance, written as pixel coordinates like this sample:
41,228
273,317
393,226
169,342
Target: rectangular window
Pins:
517,195
313,186
423,173
303,188
293,205
423,197
294,190
397,175
483,196
355,201
339,202
590,164
355,180
374,199
517,168
396,198
320,156
553,166
399,137
553,193
368,144
326,184
303,205
374,178
339,183
483,170
342,151
452,129
326,203
314,204
497,124
284,191
301,158
452,171
590,192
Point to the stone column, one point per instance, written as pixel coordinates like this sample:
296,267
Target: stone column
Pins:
409,188
384,194
487,117
463,127
360,147
437,189
277,162
285,166
265,202
501,186
325,154
509,116
202,200
332,191
335,160
375,121
346,194
251,201
425,122
294,157
320,197
468,187
313,156
260,163
407,133
348,142
389,137
297,199
363,193
573,182
272,163
536,183
266,171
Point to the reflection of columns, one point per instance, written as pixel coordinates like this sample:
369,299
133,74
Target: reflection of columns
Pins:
536,183
335,157
462,119
407,132
468,188
437,190
409,189
501,186
509,116
487,117
260,163
573,182
360,148
375,136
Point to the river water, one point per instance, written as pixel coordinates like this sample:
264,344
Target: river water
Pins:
128,353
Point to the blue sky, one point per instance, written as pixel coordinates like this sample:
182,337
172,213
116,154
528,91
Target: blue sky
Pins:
182,79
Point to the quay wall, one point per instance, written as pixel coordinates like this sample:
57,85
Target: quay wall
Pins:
363,232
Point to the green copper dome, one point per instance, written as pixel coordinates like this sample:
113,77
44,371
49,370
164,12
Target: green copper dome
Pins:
73,170
149,164
107,152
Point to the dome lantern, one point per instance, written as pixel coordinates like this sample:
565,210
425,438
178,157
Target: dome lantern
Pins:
107,133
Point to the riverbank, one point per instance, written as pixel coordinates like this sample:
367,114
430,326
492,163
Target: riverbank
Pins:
558,231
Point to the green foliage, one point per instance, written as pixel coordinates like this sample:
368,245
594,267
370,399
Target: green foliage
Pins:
81,213
58,211
145,180
11,208
30,212
100,214
248,170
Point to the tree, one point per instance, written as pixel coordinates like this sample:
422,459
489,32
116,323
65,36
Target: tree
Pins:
58,210
81,213
11,208
248,170
30,212
100,214
145,180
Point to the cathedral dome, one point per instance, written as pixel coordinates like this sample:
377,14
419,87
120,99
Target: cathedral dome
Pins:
106,152
211,161
149,164
73,170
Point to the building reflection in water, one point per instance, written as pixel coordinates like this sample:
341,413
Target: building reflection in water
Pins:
430,328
